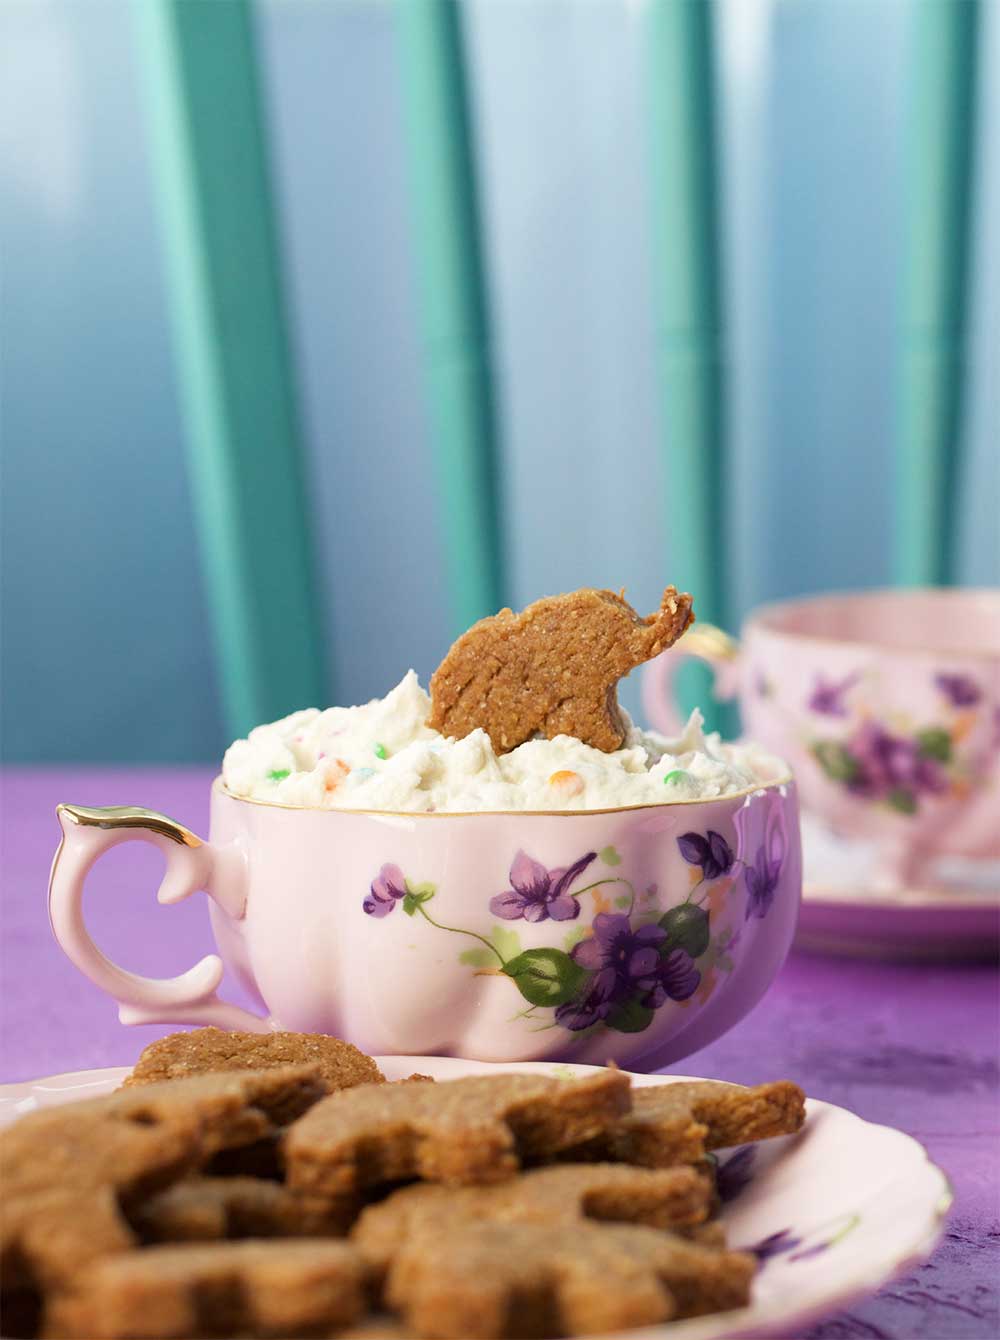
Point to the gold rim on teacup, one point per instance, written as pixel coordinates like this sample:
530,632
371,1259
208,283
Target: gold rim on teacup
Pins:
784,780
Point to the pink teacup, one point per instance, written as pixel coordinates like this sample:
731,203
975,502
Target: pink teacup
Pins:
634,935
887,706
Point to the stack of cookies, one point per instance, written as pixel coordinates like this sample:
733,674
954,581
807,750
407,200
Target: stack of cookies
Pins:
278,1186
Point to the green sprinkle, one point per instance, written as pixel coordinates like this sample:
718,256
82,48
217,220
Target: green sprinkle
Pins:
278,774
381,751
676,777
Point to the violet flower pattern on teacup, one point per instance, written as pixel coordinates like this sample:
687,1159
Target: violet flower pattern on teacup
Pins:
896,761
621,965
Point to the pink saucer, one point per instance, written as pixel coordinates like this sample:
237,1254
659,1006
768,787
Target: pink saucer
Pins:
957,916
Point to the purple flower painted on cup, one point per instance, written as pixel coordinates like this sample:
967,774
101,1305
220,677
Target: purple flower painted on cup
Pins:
827,697
592,1007
536,893
762,872
618,976
622,957
627,965
890,765
388,887
960,690
675,978
762,880
712,852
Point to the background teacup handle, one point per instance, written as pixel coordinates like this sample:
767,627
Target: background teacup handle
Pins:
191,865
703,642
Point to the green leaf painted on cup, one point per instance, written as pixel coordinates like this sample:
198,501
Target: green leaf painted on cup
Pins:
609,856
545,976
507,942
838,763
478,958
901,800
934,742
422,892
629,1017
415,895
687,928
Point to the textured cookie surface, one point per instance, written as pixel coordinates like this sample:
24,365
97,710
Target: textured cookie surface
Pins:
551,670
480,1281
663,1115
559,1197
208,1209
120,1221
459,1132
671,1124
212,1050
69,1172
267,1289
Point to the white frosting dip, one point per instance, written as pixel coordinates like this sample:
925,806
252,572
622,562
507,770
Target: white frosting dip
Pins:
381,756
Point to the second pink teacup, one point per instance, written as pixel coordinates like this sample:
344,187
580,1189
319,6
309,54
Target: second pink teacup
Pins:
885,703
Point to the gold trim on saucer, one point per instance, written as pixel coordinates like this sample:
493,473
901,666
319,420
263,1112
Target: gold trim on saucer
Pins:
129,816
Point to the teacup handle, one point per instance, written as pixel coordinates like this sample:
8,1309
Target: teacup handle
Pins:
191,865
703,642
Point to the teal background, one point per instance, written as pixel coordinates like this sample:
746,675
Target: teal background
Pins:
105,646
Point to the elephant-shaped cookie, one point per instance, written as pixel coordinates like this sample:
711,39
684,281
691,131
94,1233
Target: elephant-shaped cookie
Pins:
551,670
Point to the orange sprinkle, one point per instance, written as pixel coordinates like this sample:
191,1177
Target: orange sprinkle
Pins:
569,783
335,773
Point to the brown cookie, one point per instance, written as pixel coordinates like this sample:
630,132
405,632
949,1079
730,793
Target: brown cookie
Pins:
461,1131
710,1234
210,1209
212,1050
260,1159
272,1289
68,1172
560,1197
670,1124
377,1327
668,1121
476,1281
48,1239
551,670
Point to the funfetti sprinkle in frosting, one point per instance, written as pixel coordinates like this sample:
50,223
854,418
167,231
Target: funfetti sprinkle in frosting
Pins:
382,756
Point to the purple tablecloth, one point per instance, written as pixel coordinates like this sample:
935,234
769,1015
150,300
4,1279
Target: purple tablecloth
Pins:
909,1045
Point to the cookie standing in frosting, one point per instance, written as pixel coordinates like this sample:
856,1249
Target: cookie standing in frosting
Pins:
551,670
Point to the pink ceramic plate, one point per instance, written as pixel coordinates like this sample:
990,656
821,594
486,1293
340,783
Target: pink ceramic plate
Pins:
833,1213
845,911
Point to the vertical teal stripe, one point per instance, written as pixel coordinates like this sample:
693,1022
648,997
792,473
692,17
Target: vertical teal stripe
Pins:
234,363
687,299
453,301
935,259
